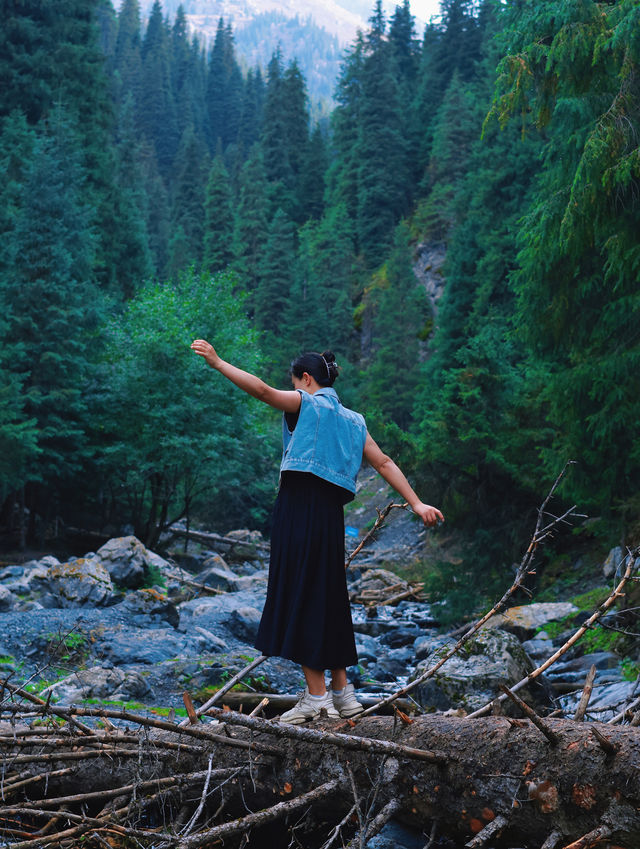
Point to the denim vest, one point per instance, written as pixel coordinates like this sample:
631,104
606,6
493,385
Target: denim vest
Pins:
328,439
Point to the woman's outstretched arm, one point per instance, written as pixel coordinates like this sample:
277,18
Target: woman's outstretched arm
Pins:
385,466
288,402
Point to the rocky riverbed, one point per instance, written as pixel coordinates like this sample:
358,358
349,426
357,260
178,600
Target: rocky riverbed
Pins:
123,624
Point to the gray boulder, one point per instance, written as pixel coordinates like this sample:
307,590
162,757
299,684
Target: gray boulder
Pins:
526,618
126,559
367,648
606,662
29,578
149,607
244,622
7,599
426,645
606,699
208,642
216,574
472,677
539,647
247,545
77,583
98,683
228,617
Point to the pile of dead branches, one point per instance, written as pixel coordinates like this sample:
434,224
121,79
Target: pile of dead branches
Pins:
388,595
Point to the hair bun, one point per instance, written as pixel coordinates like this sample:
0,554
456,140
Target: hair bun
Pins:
332,367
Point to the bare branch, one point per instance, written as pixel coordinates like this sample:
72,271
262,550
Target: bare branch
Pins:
213,835
586,694
382,515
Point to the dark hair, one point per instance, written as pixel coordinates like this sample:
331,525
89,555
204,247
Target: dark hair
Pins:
322,367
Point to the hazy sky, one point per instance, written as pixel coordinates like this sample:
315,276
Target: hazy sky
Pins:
424,9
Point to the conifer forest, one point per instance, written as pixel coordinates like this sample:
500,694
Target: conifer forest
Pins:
155,189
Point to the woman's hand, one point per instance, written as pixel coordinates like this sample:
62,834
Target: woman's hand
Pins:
430,515
206,350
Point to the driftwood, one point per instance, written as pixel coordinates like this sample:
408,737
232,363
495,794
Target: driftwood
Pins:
226,543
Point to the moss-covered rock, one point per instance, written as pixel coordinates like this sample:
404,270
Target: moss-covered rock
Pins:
472,677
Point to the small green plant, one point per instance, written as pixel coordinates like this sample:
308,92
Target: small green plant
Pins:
630,669
70,648
117,703
591,599
6,658
165,711
153,577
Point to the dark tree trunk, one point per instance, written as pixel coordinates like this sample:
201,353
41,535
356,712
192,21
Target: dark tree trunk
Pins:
462,775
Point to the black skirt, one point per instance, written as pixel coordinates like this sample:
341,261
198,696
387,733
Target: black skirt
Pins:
307,617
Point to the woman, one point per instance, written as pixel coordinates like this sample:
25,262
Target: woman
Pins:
307,617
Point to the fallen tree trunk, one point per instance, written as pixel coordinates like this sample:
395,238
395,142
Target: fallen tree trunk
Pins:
493,778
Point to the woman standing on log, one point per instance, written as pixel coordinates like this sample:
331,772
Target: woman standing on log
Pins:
307,617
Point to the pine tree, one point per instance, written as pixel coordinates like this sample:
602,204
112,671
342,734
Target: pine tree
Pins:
273,141
18,433
251,109
56,55
405,51
17,142
127,58
51,305
156,111
188,75
251,222
130,244
218,229
342,176
383,173
457,125
158,211
313,173
234,91
296,135
187,206
224,89
450,47
276,276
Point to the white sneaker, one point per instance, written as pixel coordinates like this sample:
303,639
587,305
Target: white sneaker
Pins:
309,708
346,704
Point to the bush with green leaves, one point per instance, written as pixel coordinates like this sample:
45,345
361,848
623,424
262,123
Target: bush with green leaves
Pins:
177,438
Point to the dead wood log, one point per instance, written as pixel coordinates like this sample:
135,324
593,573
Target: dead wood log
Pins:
227,543
484,769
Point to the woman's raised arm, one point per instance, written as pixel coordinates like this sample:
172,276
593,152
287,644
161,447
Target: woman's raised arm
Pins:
288,402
